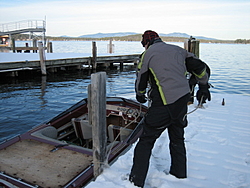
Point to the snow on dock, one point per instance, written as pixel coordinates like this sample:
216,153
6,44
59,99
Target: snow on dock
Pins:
10,62
218,150
17,57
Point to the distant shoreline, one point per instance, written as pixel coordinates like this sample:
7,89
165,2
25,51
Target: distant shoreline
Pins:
137,37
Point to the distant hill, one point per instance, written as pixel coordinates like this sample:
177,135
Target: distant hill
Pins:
122,34
65,36
184,35
105,35
175,34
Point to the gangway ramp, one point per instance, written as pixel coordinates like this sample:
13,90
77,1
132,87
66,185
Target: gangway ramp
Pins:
20,27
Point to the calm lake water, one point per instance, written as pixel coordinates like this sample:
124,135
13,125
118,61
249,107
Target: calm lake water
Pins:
27,102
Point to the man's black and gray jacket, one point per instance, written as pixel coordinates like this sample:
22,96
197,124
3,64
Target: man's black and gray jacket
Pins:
164,67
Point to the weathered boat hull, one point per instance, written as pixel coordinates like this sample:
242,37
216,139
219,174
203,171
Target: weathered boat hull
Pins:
59,153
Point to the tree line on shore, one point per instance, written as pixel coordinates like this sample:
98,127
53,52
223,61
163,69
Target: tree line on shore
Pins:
136,37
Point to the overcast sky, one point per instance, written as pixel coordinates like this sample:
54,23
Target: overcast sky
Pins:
220,19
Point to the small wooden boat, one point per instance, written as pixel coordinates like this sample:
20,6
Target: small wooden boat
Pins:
59,152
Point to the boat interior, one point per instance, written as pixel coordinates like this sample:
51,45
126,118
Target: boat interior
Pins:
52,154
120,121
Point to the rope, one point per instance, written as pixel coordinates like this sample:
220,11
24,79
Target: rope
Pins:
109,151
198,106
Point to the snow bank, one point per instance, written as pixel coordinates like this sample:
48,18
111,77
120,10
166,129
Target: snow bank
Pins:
218,150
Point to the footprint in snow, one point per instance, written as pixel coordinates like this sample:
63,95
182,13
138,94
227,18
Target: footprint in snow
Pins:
247,160
237,179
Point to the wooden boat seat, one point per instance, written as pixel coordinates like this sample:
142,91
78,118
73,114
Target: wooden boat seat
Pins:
82,128
113,132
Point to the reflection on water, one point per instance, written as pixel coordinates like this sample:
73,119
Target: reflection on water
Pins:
230,65
31,100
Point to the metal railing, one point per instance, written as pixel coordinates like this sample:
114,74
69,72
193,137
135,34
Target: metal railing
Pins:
26,24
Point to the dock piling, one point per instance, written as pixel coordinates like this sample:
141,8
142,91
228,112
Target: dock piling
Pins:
94,55
49,47
13,44
192,45
110,47
42,58
97,99
34,45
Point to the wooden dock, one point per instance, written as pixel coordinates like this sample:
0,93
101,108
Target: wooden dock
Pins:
52,65
11,66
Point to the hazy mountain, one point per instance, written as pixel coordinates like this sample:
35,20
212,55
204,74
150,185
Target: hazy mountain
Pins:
121,34
204,38
177,34
65,36
103,35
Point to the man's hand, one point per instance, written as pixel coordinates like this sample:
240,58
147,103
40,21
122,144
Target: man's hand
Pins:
141,98
203,91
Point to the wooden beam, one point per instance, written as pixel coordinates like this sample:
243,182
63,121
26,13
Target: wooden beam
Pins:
34,41
94,55
49,47
192,45
98,109
13,45
110,47
42,58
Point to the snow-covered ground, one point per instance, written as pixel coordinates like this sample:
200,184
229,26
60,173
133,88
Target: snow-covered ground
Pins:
218,150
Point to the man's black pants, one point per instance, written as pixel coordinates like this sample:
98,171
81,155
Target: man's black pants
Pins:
157,120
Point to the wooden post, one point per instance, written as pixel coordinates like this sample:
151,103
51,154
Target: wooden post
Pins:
94,55
192,45
49,47
98,109
13,45
34,45
121,66
26,45
110,47
42,58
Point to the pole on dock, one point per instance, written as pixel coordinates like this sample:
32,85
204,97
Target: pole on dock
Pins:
49,47
34,45
94,55
13,45
192,45
27,46
110,47
97,100
121,66
42,58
